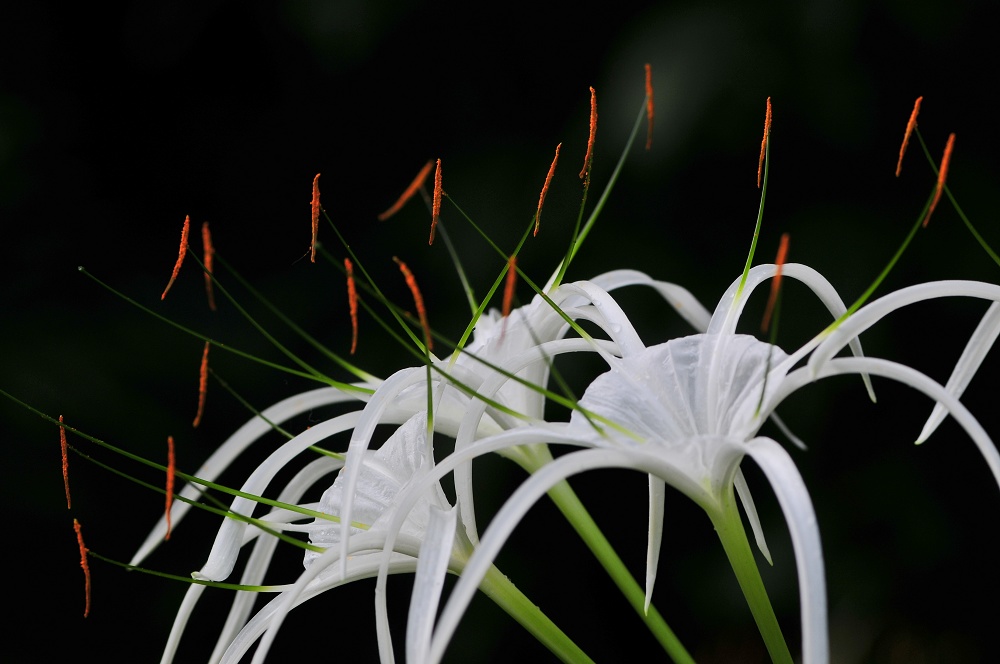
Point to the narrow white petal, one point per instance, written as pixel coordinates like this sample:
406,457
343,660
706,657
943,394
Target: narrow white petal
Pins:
656,498
801,518
979,345
435,554
746,499
676,296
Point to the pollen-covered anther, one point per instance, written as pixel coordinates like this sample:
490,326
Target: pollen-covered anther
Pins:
208,260
202,386
508,289
436,201
545,189
414,187
84,566
942,176
171,469
910,126
352,302
649,106
418,301
64,447
315,218
180,255
763,142
772,299
589,157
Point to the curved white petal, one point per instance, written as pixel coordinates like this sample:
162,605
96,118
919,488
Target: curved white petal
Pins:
676,296
743,491
979,345
801,518
435,555
657,494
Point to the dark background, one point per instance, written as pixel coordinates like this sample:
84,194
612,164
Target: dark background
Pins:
117,120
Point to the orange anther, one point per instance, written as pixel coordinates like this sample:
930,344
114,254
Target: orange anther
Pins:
315,218
64,446
418,300
588,158
352,301
180,255
84,565
909,130
508,289
436,202
763,142
942,175
414,187
171,469
649,106
202,386
209,261
545,189
776,282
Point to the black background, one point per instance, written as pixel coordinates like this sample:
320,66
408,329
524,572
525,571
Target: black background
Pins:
118,120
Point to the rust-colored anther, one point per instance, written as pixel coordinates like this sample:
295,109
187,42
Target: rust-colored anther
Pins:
910,125
589,157
64,446
414,187
776,282
84,566
436,201
181,253
763,142
208,259
315,218
545,189
171,469
942,176
649,106
352,301
508,288
418,301
202,386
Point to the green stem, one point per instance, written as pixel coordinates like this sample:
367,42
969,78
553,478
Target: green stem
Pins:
729,525
569,504
506,595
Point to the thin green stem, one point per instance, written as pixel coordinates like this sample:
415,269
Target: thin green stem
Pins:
729,526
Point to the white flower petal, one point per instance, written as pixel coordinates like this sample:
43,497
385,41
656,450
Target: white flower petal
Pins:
743,491
801,518
435,554
656,497
979,345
